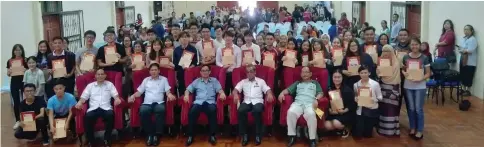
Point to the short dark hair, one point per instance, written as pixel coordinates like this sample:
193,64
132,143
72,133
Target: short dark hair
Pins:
32,58
248,33
362,67
270,34
244,25
155,65
29,85
57,38
218,27
90,32
175,25
60,81
208,66
193,24
398,16
150,31
404,30
183,34
369,28
228,33
205,26
333,21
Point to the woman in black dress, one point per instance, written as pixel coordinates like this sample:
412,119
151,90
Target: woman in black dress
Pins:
339,119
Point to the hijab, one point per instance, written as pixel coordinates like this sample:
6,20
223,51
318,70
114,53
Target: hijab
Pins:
395,78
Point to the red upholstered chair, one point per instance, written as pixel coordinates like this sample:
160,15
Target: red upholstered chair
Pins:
138,77
81,83
190,75
319,74
263,72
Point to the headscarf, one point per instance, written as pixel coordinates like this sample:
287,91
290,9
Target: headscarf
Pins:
395,78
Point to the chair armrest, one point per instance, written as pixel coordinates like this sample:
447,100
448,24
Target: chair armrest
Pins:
79,115
323,104
118,114
170,117
134,108
185,108
233,109
268,110
286,103
220,109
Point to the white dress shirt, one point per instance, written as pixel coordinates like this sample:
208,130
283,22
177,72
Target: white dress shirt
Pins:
255,48
376,94
218,44
199,46
253,90
99,95
154,89
237,54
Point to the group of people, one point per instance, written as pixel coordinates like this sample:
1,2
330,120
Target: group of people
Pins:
371,93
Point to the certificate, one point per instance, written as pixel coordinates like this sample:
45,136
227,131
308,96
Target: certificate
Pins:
364,97
269,60
319,113
169,52
208,49
110,54
247,57
17,67
59,68
186,59
371,50
228,57
28,119
59,125
318,59
414,70
87,62
336,100
337,56
385,67
290,59
305,60
164,61
353,65
137,59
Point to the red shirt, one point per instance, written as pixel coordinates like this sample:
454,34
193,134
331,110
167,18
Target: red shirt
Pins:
343,24
449,38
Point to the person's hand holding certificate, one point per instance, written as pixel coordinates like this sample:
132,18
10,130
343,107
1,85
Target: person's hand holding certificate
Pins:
269,60
137,61
353,65
228,57
290,59
336,100
305,60
16,67
385,68
364,97
247,57
59,68
318,59
110,54
337,56
414,70
165,61
28,120
186,59
87,62
60,131
208,49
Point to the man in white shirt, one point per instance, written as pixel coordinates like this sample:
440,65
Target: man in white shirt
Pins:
236,52
154,87
206,43
99,94
249,45
219,40
253,89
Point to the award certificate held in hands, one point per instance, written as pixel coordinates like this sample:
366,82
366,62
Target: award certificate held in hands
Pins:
364,97
87,62
110,54
186,59
385,67
137,59
60,131
17,67
59,68
353,65
269,60
247,56
337,56
414,70
290,59
336,100
28,118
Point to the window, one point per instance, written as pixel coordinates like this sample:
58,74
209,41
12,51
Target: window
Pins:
51,7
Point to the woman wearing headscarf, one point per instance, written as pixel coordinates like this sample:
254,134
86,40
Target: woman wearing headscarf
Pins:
390,87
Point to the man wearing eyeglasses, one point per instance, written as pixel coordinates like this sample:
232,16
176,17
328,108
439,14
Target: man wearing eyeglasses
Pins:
120,53
206,43
89,48
206,89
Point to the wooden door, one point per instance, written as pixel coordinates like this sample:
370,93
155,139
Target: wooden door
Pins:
119,17
268,4
413,20
52,27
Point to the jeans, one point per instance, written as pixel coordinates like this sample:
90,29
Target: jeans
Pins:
210,110
146,112
91,119
40,125
256,110
415,102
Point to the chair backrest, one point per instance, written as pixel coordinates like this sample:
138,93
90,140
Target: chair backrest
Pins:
114,77
193,73
263,72
319,74
140,75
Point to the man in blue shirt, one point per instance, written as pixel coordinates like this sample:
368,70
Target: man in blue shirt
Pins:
206,89
159,30
59,106
396,27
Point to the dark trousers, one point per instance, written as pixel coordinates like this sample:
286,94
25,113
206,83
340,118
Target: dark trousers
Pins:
180,78
364,126
228,83
16,88
146,112
256,110
41,126
68,82
91,119
210,110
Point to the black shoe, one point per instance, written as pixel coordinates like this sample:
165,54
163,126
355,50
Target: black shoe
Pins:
258,140
149,141
312,143
418,138
107,143
156,141
245,140
189,141
212,140
292,140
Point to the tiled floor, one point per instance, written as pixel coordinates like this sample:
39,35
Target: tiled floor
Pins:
445,126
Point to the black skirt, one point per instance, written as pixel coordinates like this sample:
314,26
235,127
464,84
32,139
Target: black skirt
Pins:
467,75
345,119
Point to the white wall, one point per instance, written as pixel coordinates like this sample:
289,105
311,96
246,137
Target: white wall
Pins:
145,8
20,28
461,14
192,6
376,11
98,15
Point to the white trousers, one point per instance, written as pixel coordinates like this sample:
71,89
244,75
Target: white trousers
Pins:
294,112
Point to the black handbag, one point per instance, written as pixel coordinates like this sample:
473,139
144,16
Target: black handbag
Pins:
464,105
450,57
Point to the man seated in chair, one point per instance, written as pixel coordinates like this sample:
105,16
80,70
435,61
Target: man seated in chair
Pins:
205,89
154,87
99,94
253,89
307,93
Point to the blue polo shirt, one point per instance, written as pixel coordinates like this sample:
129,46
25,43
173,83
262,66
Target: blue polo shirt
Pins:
61,107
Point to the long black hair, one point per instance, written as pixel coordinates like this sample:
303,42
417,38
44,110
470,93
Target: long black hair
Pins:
152,54
379,37
332,85
451,26
348,50
21,48
42,55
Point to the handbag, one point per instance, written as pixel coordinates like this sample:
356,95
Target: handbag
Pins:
450,57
